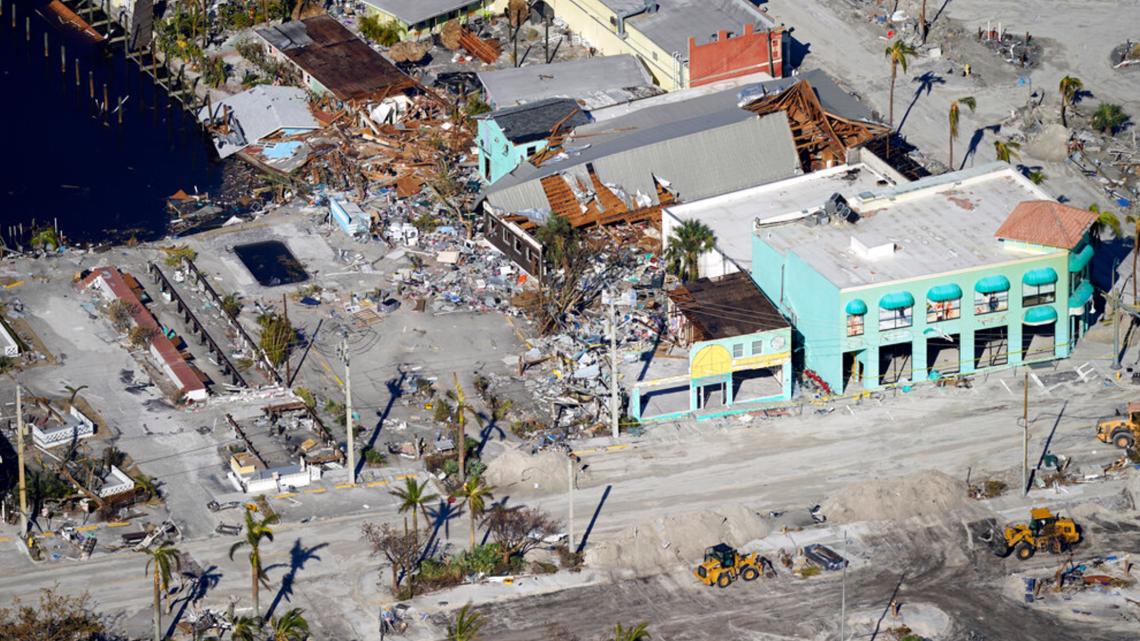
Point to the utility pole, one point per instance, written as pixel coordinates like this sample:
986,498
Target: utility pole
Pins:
20,458
570,519
614,390
285,308
1025,436
344,355
843,594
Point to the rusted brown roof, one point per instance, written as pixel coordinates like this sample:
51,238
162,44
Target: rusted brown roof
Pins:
339,60
1046,222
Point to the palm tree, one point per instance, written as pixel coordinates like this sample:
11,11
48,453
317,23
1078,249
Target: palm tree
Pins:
969,102
246,629
1069,87
922,24
414,497
639,632
466,625
162,558
255,532
72,393
1105,220
147,485
474,494
290,626
688,241
1007,149
1108,118
897,53
459,414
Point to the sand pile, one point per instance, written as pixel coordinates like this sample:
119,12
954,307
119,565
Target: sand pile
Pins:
514,472
654,546
1051,143
922,495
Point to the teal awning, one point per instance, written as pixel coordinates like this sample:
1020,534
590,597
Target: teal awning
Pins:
940,293
856,307
1040,315
1039,276
992,284
1081,295
1078,260
896,300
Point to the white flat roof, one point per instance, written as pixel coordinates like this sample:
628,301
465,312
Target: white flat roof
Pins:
732,216
936,225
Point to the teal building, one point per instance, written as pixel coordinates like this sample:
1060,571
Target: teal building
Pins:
508,137
740,353
953,274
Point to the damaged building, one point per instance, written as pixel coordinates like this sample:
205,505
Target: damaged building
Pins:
639,157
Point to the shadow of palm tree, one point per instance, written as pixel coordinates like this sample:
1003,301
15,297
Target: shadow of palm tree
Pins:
299,555
926,84
975,140
200,585
441,516
395,391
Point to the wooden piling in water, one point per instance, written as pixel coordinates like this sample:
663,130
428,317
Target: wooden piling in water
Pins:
46,53
77,83
62,59
91,82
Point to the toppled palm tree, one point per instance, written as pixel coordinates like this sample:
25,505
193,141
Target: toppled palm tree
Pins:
1069,87
687,243
159,564
1007,150
466,625
968,101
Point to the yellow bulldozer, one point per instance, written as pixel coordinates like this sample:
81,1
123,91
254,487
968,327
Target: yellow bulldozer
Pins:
723,565
1121,431
1045,531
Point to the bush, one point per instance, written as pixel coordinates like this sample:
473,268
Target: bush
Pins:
384,33
993,488
810,570
374,458
306,397
140,337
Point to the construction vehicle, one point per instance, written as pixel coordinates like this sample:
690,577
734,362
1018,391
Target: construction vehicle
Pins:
723,565
1121,431
1045,531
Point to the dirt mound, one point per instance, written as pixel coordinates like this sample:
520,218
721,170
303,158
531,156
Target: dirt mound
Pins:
678,539
408,51
449,35
1051,143
514,472
922,495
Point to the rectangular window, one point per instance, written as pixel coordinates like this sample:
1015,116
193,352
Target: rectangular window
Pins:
738,350
757,347
943,310
990,303
854,324
1038,294
895,318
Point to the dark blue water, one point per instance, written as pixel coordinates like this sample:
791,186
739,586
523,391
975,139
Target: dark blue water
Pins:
66,163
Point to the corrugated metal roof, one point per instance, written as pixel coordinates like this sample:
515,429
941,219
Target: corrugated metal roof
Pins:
698,157
597,82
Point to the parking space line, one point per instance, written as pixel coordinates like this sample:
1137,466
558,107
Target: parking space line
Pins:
118,524
319,490
47,534
4,539
285,495
344,486
86,528
376,483
405,476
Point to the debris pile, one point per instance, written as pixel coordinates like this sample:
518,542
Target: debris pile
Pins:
678,539
924,495
514,472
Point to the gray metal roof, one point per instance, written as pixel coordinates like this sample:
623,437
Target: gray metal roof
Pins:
259,112
287,35
535,120
698,157
675,21
596,82
412,11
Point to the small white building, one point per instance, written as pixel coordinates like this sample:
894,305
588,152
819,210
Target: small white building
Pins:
116,482
8,342
76,427
276,479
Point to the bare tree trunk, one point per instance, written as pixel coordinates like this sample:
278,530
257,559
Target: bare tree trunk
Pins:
922,22
471,513
951,152
1064,119
157,607
254,566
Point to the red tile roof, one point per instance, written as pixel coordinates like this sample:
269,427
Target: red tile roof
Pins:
187,380
1046,222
